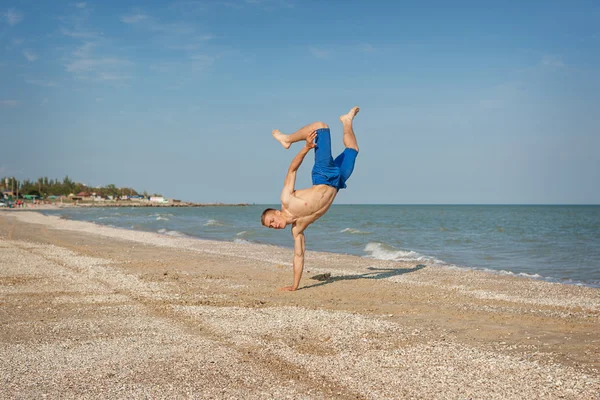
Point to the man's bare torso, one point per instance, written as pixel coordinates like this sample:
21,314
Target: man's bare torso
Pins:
308,205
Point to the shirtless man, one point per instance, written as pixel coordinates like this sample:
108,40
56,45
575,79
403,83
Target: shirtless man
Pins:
303,207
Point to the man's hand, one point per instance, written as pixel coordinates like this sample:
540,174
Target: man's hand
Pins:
287,289
310,140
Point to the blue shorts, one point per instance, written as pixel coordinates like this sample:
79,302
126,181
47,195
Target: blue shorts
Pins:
328,171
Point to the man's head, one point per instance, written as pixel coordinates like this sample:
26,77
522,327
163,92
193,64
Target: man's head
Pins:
272,218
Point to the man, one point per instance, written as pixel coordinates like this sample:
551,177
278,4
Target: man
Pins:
300,208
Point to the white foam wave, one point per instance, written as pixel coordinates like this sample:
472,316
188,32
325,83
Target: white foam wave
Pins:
241,241
171,233
241,233
355,231
213,222
381,251
524,275
159,218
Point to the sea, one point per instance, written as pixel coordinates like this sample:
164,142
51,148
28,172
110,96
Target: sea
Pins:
553,243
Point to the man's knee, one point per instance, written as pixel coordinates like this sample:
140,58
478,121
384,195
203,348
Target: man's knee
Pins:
321,125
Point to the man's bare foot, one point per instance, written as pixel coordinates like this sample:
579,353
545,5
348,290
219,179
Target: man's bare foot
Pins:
281,138
287,289
350,116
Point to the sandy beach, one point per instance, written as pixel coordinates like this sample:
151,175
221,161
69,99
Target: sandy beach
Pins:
88,311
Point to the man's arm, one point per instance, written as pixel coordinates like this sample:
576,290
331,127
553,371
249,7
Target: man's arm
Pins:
299,249
290,178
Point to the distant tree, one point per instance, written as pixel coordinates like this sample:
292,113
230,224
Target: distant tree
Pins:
26,186
112,190
44,186
67,186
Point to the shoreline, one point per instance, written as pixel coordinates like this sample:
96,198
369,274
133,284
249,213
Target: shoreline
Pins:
442,264
94,310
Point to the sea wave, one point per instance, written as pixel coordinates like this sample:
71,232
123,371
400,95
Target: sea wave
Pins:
382,251
241,233
355,231
213,222
550,279
171,233
159,218
241,241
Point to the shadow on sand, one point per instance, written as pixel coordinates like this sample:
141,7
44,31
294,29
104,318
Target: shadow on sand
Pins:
378,273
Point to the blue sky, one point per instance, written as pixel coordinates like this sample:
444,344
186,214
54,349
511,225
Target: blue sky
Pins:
461,102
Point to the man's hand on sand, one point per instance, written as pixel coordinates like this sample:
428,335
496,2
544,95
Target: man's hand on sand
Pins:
310,140
287,289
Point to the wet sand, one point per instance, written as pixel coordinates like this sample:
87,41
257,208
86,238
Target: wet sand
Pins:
94,312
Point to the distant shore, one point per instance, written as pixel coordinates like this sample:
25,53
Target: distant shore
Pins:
119,204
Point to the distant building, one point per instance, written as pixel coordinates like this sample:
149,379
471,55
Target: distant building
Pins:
158,199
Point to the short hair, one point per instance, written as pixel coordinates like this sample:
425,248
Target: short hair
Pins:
264,214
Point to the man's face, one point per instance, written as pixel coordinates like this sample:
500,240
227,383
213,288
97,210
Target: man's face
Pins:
275,220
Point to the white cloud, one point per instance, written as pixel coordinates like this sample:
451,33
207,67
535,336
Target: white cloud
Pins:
106,76
17,41
175,28
133,19
264,4
85,65
552,61
84,50
81,4
319,53
30,55
41,83
175,35
165,66
366,48
172,28
103,69
200,62
9,103
13,17
195,44
271,3
78,34
44,101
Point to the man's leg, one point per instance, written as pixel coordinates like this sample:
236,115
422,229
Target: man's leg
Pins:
349,138
301,134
